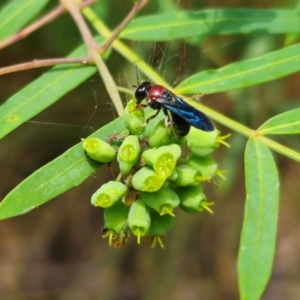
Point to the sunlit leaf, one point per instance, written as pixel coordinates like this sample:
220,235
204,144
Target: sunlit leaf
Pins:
66,171
166,27
17,13
285,123
244,73
257,245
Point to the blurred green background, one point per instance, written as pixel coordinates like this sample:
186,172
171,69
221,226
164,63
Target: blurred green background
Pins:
57,250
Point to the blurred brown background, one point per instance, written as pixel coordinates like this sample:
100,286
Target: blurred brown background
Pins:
57,250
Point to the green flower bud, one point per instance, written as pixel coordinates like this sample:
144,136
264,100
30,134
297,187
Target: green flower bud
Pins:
115,224
160,136
159,227
108,194
203,143
163,200
163,159
160,224
192,199
134,118
99,150
139,219
146,180
174,175
206,165
128,153
125,167
116,239
115,216
187,175
130,149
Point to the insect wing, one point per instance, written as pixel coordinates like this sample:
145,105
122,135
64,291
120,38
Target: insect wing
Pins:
180,127
187,112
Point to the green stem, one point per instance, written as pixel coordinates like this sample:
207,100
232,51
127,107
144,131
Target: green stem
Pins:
93,52
125,90
280,148
123,49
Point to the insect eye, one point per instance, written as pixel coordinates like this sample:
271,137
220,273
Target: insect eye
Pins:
142,90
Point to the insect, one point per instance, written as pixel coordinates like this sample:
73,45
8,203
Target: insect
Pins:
178,113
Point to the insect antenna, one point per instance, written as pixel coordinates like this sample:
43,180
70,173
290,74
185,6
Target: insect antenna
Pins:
137,74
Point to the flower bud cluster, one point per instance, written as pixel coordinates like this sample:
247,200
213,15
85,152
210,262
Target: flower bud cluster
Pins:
155,178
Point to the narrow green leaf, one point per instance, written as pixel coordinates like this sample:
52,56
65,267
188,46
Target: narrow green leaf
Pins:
285,123
245,73
17,13
166,27
258,236
68,170
43,92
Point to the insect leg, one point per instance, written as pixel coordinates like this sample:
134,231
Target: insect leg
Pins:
168,120
152,117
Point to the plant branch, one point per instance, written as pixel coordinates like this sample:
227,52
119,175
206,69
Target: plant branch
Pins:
73,9
280,148
59,10
135,9
124,50
39,63
94,55
55,61
93,50
47,18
